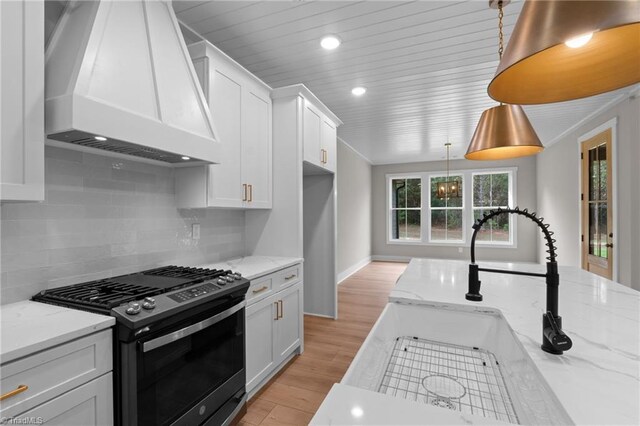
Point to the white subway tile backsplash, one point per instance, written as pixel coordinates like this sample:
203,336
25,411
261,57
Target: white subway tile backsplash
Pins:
105,216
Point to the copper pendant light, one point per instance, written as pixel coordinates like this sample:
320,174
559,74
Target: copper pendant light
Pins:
564,50
503,131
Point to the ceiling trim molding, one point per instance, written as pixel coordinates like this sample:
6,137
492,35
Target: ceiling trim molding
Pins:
613,102
356,151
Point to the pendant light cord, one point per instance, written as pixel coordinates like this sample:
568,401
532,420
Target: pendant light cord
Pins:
500,35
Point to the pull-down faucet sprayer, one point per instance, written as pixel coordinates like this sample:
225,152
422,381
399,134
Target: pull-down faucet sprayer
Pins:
554,340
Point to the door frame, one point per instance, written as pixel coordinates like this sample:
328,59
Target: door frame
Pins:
613,125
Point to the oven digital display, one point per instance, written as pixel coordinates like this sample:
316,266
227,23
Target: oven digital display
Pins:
190,293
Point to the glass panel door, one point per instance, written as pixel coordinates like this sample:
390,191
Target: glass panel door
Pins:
597,238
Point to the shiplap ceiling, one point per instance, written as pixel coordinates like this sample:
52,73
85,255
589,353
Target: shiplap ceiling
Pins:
426,66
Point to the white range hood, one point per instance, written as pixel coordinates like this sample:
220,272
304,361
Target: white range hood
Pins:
120,71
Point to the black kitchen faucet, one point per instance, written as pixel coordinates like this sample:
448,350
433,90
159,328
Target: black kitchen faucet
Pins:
554,340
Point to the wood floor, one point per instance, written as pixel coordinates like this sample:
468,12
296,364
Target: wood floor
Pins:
294,395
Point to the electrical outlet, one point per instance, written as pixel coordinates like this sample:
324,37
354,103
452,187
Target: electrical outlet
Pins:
459,249
195,231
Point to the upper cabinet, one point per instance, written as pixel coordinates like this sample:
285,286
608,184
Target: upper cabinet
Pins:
22,101
241,109
319,129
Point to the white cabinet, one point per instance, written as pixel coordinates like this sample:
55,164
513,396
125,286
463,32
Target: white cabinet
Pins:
260,330
274,327
89,404
329,135
288,329
22,100
241,110
319,137
69,384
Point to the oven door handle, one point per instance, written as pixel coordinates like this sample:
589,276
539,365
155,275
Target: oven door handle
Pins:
188,331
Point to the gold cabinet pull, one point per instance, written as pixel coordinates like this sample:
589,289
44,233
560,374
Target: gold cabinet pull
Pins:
250,193
244,192
16,391
290,277
281,309
260,290
277,310
326,156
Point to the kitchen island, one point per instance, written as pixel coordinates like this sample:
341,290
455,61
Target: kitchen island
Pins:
596,382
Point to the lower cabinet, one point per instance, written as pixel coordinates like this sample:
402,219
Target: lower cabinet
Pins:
273,332
68,384
89,404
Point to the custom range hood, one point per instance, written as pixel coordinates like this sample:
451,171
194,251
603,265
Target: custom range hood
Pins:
119,78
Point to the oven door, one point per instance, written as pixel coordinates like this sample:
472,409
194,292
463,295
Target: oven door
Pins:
193,370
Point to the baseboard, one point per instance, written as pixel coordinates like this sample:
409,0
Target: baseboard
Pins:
353,269
318,315
401,259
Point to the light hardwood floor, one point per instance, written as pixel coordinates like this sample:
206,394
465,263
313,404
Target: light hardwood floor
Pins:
294,395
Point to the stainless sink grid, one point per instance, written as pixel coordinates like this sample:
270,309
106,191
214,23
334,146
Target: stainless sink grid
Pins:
455,377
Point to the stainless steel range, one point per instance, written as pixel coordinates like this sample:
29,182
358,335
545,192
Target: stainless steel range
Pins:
179,348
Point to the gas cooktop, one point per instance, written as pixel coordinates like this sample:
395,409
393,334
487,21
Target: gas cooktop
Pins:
147,293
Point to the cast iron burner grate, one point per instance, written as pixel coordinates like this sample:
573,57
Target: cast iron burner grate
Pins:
449,376
101,294
194,274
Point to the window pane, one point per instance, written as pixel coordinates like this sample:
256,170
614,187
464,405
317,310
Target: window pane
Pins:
413,225
481,190
398,223
439,188
491,190
413,192
438,224
500,189
602,158
398,193
454,224
446,225
495,229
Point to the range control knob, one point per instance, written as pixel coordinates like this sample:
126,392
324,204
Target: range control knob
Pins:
134,308
149,303
221,281
229,279
237,276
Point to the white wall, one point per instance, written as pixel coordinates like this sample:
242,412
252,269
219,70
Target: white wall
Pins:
559,190
527,248
105,216
354,210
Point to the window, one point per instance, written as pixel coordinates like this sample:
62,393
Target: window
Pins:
446,212
406,209
447,220
490,191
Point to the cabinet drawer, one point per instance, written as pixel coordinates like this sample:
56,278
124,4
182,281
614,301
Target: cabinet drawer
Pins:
259,289
88,405
54,371
286,277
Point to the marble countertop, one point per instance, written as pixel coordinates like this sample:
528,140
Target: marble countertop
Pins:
252,267
27,327
597,381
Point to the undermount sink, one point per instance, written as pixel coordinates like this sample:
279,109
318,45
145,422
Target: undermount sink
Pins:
458,360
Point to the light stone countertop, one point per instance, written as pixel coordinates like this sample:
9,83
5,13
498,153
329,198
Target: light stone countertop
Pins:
252,267
28,327
597,381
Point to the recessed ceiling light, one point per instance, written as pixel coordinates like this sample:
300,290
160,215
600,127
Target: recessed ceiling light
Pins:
358,91
330,42
184,157
100,138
